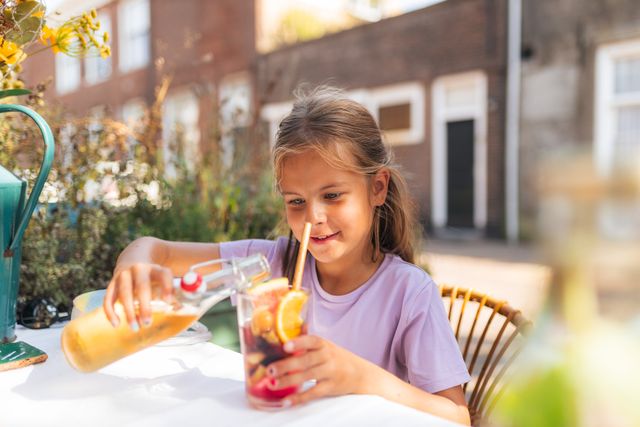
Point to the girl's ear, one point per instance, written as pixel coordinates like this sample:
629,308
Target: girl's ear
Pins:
380,186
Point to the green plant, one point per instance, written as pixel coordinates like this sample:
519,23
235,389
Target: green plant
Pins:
22,22
108,187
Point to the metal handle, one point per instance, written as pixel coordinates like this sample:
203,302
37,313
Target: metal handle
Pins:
47,160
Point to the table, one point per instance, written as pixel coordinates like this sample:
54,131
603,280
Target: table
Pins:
182,385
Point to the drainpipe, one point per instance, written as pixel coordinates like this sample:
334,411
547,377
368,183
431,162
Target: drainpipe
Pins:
512,120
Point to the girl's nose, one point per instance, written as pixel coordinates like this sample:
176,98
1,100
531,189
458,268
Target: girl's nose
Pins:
315,213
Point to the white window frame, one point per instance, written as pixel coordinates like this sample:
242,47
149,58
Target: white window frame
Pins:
68,74
441,114
126,30
411,93
235,99
273,114
132,112
192,135
96,68
229,99
373,99
606,102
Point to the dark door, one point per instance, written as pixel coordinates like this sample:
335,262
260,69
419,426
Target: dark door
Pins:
460,174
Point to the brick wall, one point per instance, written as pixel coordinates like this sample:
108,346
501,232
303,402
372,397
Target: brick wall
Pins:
200,42
450,37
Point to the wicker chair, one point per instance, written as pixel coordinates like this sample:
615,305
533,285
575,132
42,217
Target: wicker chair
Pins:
491,335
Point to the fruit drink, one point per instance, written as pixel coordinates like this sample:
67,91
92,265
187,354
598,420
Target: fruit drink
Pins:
269,314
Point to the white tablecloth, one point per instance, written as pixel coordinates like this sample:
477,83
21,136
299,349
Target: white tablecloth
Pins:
183,386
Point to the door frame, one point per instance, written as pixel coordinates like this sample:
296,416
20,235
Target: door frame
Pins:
472,86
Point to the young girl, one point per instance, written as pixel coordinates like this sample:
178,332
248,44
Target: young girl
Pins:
376,322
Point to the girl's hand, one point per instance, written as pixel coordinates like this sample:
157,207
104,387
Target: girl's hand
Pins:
137,282
336,370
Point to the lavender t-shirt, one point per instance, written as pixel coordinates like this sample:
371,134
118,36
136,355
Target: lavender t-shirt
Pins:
395,320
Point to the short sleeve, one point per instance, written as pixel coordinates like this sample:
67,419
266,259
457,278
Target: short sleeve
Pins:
243,248
432,356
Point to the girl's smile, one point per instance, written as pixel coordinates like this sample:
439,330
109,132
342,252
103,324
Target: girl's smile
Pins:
340,205
323,239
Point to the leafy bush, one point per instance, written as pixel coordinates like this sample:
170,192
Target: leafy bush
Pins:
108,187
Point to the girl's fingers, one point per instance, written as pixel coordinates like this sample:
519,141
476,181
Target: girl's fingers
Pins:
164,277
301,362
139,282
298,378
109,299
125,294
142,291
304,342
321,389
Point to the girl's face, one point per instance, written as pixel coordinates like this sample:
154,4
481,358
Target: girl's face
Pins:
339,204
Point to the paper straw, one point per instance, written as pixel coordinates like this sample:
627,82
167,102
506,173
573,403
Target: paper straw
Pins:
302,254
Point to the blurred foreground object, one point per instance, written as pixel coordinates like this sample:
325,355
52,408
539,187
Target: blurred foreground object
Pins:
24,22
580,367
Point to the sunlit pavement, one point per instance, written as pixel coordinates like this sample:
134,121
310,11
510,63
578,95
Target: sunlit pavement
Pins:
510,272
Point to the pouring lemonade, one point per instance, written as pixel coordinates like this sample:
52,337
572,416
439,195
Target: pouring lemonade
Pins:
91,342
94,343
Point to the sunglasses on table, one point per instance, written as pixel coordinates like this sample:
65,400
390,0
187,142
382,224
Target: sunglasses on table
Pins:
40,313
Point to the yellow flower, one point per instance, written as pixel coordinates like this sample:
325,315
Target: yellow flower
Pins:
78,36
48,37
10,53
105,52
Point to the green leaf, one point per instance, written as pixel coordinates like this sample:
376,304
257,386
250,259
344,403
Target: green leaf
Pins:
26,31
13,92
26,9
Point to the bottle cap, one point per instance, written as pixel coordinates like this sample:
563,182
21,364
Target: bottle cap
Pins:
191,281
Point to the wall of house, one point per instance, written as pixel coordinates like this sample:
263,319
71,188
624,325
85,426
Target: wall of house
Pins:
560,40
451,37
197,42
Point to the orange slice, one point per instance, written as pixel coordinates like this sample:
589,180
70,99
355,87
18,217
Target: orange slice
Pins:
289,319
273,287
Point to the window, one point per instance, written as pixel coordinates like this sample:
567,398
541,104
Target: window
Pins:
180,130
617,106
617,132
134,37
367,10
95,126
235,109
395,117
67,74
97,69
133,112
399,110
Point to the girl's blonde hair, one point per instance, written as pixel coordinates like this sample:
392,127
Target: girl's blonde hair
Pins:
345,134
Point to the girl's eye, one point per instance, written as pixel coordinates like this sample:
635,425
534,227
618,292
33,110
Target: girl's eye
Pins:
332,196
295,202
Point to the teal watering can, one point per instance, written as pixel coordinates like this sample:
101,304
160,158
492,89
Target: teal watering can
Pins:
14,218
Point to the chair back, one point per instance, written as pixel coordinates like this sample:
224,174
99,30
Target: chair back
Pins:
490,334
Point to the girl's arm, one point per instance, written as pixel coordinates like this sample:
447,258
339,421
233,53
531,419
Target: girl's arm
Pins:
338,371
449,404
149,263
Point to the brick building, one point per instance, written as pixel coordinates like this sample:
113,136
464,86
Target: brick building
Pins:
435,80
580,85
206,47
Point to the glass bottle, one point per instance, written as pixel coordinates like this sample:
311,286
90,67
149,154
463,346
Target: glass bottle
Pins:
91,342
580,366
